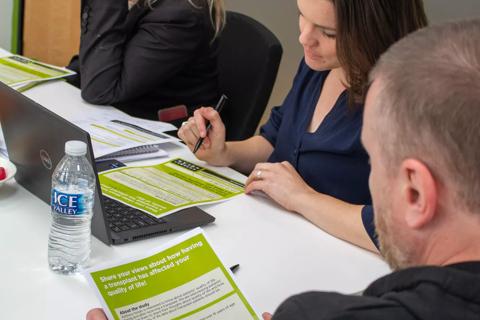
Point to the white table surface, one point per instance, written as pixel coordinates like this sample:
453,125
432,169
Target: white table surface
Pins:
279,252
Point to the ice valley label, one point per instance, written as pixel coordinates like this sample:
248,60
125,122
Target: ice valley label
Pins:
68,204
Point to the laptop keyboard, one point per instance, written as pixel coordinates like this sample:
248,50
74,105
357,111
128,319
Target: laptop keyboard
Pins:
121,217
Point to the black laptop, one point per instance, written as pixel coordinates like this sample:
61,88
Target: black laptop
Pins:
35,139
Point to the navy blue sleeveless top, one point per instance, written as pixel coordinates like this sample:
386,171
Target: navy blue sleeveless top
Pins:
332,159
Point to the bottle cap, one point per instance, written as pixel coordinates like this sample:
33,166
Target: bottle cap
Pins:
75,148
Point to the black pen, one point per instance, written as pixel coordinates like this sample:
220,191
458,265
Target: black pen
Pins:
218,108
234,268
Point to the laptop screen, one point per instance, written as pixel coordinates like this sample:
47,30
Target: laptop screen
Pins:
35,138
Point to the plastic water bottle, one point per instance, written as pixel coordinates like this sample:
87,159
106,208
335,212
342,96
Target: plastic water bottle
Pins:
73,190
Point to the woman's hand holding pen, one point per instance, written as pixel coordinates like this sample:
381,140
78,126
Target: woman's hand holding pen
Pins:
214,148
281,182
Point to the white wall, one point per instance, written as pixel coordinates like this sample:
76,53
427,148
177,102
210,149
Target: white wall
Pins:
281,17
5,23
445,10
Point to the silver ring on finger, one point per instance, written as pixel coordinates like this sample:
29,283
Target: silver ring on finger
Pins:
258,174
184,123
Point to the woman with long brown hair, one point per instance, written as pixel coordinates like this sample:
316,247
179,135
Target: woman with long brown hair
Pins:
146,55
308,156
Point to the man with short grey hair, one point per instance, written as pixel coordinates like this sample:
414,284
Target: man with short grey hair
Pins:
422,132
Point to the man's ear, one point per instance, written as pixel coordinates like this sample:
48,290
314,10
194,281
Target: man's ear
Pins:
419,193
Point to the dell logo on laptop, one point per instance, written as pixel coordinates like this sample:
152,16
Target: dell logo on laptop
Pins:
46,160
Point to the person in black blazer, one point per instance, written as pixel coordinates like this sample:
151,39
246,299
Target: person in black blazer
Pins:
154,55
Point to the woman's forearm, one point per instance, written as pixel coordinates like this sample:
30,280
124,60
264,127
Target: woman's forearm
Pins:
244,155
118,64
101,50
339,218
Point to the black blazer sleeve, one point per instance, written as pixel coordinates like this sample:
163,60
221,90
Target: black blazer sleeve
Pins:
335,306
115,67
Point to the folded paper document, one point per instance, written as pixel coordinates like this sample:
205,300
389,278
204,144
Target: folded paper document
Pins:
22,73
116,139
167,187
184,279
